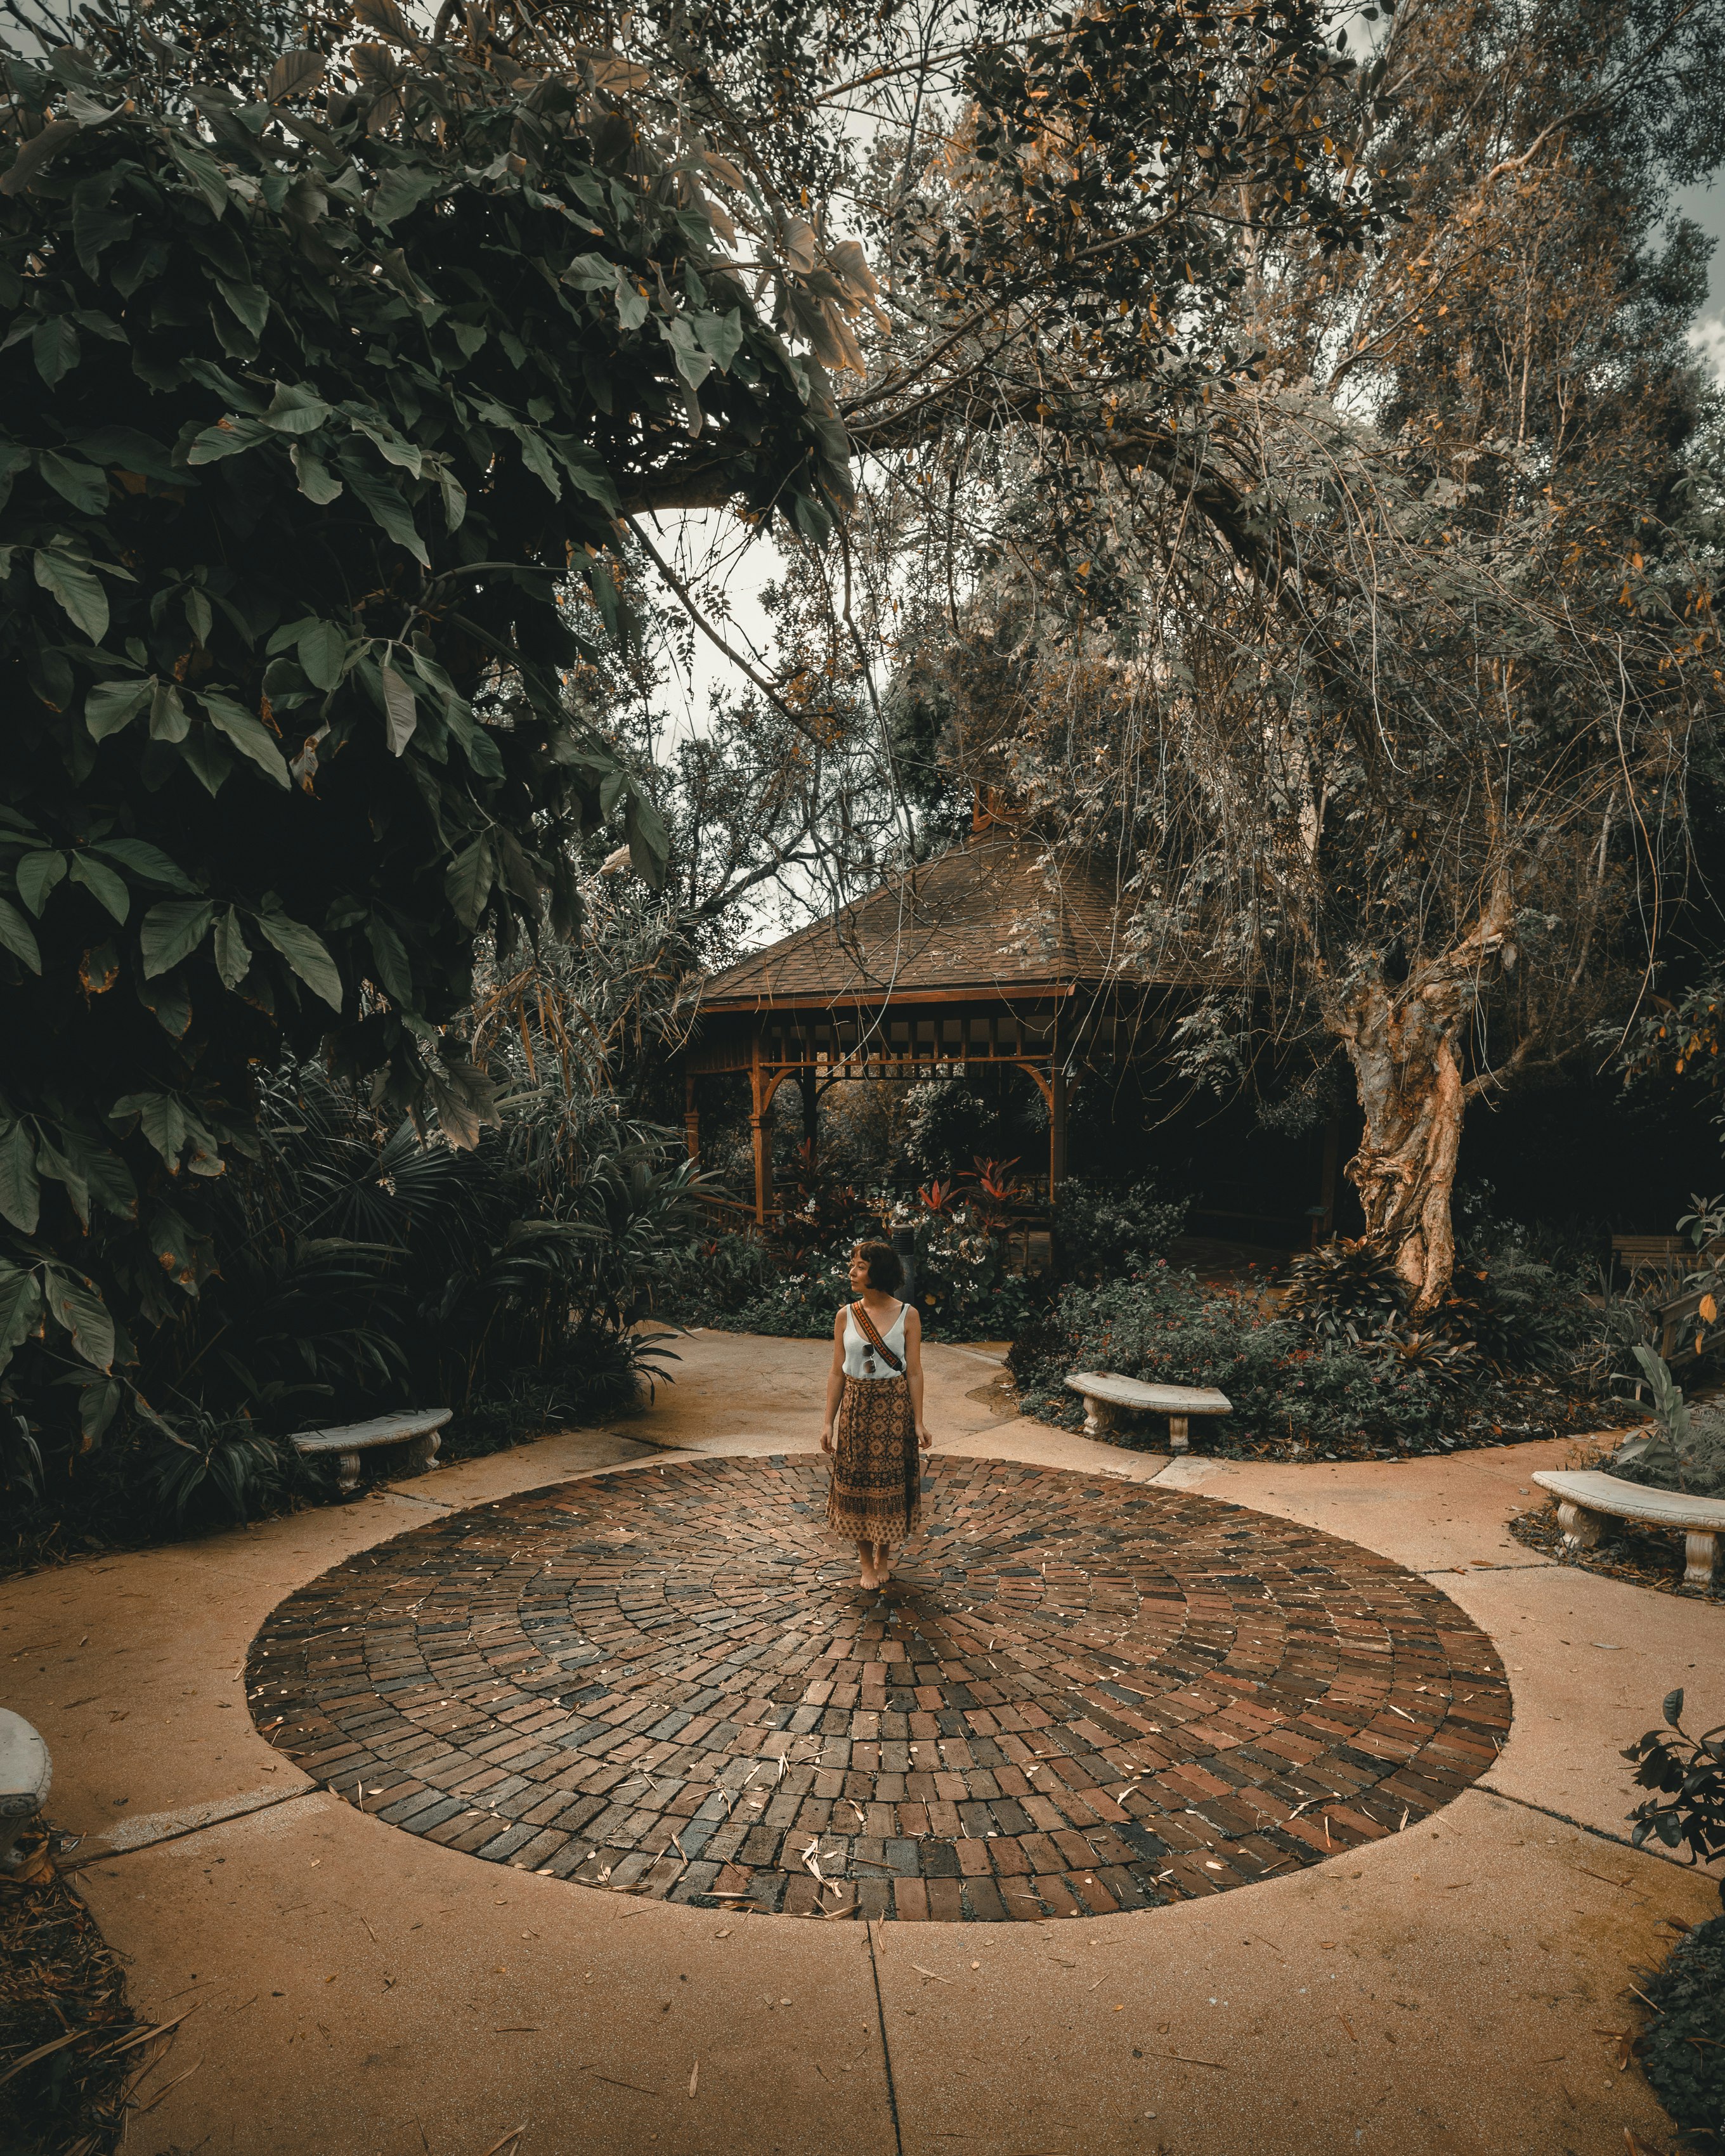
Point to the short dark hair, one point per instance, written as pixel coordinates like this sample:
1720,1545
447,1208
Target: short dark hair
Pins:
886,1268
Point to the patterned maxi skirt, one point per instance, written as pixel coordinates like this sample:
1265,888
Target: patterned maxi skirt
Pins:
875,1495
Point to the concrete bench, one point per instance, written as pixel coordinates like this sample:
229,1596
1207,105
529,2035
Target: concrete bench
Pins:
1586,1499
416,1432
25,1777
1106,1398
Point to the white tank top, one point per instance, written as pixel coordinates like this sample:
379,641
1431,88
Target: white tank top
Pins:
858,1347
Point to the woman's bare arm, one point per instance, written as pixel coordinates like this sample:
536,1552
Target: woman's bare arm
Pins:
913,1371
835,1382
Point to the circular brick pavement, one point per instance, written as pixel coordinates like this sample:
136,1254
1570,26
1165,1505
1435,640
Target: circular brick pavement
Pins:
1080,1695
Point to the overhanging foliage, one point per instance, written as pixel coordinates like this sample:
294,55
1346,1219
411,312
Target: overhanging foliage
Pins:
316,392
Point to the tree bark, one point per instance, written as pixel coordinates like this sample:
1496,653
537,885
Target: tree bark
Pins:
1401,1044
1401,1039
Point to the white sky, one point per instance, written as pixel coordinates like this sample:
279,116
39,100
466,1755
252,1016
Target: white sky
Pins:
1707,206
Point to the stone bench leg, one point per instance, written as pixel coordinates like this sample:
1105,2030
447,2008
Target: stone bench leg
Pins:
1098,1417
1700,1550
418,1456
347,1472
16,1814
1581,1528
1178,1439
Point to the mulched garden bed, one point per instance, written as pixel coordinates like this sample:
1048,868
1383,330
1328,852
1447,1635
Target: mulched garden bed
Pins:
1517,1414
1645,1557
64,2020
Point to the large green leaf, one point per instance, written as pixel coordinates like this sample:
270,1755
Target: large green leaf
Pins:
97,1406
37,875
318,482
146,860
78,589
402,189
17,936
401,714
54,347
294,75
173,929
649,838
51,1161
306,953
133,451
101,882
36,155
233,956
85,486
110,1181
162,1120
169,719
111,705
295,409
250,303
76,1302
248,734
322,651
201,169
394,972
388,506
467,882
20,1308
227,438
20,1193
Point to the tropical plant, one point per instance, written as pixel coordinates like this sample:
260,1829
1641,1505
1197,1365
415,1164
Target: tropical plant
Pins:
1685,1447
208,1469
1425,1353
997,1192
1348,1290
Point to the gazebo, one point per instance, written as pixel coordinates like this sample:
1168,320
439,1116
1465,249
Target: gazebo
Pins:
990,955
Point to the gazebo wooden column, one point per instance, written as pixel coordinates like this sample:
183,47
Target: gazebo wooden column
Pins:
761,1088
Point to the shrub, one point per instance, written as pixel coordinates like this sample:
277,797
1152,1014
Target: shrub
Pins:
214,1472
1100,1228
720,1276
1521,1313
1166,1327
942,1117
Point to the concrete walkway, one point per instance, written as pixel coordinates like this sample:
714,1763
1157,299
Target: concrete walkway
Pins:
352,1990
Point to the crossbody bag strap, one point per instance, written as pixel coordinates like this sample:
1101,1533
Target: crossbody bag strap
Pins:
866,1324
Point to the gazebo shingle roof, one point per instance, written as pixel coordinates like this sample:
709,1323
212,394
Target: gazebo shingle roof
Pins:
990,915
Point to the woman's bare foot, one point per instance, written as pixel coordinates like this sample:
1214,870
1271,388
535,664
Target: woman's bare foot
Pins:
865,1567
883,1563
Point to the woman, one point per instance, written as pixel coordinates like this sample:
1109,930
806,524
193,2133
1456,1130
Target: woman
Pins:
873,1422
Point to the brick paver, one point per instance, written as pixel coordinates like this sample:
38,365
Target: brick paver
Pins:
1078,1695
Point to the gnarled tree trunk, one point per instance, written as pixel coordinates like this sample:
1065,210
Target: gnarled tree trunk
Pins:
1400,1044
1400,1038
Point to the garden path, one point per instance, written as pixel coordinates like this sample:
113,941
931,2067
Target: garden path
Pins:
359,1991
